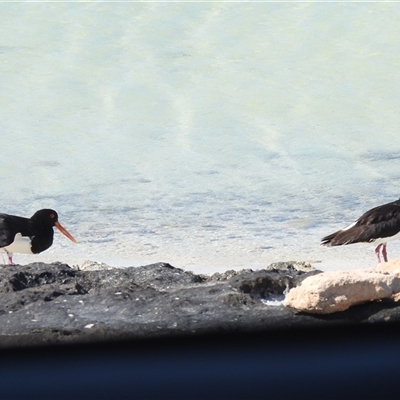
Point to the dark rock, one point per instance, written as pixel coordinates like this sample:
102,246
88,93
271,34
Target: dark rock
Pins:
53,303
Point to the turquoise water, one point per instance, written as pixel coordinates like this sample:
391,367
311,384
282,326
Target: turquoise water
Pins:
208,135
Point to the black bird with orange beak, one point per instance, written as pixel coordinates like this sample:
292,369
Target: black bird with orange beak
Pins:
29,235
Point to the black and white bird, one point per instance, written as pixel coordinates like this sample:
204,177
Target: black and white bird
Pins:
29,235
378,225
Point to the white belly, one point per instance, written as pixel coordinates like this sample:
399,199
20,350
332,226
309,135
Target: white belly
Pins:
21,244
387,239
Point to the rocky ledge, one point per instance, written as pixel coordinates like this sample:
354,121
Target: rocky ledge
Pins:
54,303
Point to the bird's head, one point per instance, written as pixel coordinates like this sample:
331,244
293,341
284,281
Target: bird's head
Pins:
50,218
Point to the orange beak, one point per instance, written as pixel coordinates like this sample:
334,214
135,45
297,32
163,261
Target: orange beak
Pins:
64,231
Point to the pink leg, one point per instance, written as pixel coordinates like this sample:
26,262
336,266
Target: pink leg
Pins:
377,252
384,252
9,256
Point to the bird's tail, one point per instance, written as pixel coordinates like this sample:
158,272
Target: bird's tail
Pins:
328,241
343,237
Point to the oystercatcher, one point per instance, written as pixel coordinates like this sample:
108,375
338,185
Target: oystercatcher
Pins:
378,225
29,235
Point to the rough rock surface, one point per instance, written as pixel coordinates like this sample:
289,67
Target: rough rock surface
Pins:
334,291
54,303
389,266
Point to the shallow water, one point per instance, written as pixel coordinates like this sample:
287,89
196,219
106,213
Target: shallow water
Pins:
208,135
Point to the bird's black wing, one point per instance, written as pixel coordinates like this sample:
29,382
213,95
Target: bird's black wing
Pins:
381,214
379,222
10,225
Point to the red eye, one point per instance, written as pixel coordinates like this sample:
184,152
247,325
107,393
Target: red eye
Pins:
52,215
